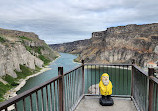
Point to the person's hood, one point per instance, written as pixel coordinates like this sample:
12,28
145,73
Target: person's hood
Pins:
105,74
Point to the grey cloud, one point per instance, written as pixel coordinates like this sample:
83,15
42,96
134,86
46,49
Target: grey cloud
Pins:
59,21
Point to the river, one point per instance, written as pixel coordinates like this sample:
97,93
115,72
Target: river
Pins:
65,60
120,77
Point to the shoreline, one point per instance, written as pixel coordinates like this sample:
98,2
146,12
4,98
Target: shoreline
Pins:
76,62
12,92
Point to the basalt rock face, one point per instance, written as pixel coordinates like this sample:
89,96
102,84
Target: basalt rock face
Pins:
118,45
22,48
75,47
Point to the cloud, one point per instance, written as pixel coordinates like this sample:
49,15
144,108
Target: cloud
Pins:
58,21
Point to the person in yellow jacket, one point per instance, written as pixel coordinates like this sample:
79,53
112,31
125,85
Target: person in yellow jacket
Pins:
105,86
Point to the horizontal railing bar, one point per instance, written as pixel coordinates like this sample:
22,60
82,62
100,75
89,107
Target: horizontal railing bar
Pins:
109,64
122,96
135,104
140,70
26,93
79,100
153,79
72,70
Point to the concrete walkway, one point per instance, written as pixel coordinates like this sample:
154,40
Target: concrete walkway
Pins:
92,104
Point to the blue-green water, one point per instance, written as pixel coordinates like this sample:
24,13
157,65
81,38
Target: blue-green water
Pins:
120,77
65,61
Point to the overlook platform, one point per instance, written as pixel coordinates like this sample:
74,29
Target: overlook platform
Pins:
77,90
91,103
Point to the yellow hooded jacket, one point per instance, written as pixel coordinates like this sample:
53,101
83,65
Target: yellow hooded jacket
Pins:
105,90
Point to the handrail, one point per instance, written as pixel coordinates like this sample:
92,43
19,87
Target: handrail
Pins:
26,93
108,64
140,70
72,70
153,79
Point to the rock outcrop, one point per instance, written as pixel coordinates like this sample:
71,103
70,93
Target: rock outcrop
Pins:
22,48
117,45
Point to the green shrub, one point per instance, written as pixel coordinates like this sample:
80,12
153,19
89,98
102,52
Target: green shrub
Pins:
25,71
10,80
37,69
44,59
2,40
38,49
26,38
28,48
35,49
3,89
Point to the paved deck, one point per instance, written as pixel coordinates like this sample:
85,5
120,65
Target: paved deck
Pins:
92,104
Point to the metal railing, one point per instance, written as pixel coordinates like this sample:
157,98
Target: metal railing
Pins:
120,76
140,86
144,89
58,94
64,92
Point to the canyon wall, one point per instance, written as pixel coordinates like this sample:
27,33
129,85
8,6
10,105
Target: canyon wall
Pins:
117,45
22,48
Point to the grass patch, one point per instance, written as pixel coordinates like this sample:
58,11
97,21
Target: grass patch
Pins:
34,49
28,48
38,49
44,59
25,38
3,89
10,80
25,71
37,69
2,40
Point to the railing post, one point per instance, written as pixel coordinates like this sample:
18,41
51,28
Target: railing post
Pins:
83,88
61,89
151,88
133,62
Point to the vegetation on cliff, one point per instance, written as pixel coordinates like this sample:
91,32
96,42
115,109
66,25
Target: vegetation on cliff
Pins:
2,39
3,89
13,82
21,54
26,38
25,71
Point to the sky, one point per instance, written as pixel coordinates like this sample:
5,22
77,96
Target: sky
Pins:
59,21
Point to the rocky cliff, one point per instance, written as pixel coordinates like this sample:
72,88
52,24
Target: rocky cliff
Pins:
117,45
22,48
